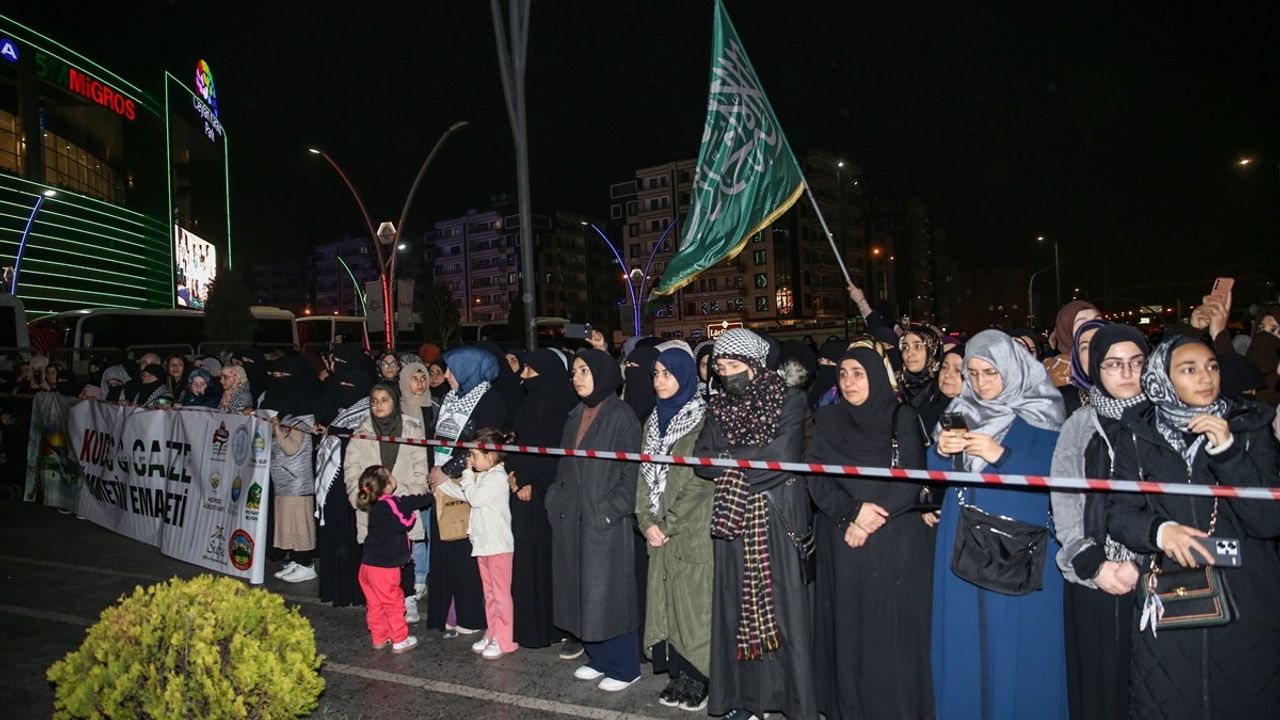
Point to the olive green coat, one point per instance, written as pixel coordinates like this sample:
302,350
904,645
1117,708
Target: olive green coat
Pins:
678,601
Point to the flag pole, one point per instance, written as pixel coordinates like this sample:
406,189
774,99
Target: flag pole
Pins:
830,238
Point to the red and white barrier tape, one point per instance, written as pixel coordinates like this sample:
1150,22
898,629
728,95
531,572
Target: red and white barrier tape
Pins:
931,476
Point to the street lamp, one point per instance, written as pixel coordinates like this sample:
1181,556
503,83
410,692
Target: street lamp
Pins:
636,278
1057,269
1031,314
26,234
387,265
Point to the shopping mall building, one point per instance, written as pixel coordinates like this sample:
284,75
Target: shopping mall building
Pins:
111,194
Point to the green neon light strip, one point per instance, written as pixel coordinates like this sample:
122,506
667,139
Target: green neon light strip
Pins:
63,301
116,210
124,270
168,177
48,213
359,291
74,291
45,223
99,70
226,174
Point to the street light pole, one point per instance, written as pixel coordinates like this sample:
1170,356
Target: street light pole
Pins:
1031,315
1057,270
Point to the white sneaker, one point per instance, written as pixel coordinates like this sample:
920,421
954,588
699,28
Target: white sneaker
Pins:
288,568
404,645
419,590
479,646
411,610
300,573
493,652
610,685
586,672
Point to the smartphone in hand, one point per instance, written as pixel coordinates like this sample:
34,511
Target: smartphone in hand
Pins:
1225,551
1222,289
954,421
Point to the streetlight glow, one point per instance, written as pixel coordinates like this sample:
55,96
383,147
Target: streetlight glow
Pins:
313,151
1245,161
50,193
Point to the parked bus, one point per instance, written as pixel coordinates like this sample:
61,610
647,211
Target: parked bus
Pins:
114,333
319,331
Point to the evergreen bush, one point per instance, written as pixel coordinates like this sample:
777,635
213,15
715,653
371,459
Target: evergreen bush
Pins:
209,647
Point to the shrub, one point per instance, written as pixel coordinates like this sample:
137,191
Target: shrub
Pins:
209,647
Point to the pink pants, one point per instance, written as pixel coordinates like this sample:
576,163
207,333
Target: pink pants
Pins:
384,600
499,610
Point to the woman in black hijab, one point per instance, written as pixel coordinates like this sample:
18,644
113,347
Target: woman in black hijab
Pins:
255,368
343,405
825,377
507,384
637,388
439,386
875,557
591,507
291,391
539,420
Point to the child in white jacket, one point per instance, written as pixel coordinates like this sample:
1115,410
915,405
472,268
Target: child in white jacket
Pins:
484,485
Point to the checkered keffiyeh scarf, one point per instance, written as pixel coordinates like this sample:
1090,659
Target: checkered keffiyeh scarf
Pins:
736,512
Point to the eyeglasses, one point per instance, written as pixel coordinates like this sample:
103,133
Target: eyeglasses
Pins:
388,363
988,374
1116,366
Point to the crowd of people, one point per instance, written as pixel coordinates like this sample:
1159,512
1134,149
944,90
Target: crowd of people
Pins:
761,591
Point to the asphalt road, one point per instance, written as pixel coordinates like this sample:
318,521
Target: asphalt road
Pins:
59,573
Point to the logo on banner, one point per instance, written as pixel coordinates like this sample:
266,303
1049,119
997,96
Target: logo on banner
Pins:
240,445
241,549
254,501
220,437
259,448
214,481
216,551
236,485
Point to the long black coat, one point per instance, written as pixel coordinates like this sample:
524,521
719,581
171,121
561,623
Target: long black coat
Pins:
873,607
591,507
1221,672
783,679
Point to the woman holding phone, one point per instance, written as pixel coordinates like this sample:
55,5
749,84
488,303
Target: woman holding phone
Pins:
1192,434
996,655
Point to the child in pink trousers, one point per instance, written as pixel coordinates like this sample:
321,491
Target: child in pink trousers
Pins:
484,485
386,550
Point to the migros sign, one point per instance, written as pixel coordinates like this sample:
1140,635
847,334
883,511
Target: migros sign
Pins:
81,83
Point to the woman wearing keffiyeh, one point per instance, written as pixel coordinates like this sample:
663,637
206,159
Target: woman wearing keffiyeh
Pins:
673,510
1191,434
761,655
1101,575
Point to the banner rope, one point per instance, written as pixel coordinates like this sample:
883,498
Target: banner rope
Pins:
927,476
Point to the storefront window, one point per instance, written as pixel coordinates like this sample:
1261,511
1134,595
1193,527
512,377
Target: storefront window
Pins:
74,168
11,144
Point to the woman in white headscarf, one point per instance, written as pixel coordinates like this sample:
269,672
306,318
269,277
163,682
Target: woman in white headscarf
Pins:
996,655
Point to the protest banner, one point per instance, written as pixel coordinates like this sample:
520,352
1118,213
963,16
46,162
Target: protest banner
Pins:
192,482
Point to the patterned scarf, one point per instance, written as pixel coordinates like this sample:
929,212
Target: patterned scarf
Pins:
1109,407
453,404
1172,414
237,397
658,443
329,453
737,512
751,419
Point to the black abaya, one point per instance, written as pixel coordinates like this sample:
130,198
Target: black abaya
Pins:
539,420
873,603
339,552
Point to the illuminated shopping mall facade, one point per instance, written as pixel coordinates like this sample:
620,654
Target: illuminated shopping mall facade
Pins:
110,195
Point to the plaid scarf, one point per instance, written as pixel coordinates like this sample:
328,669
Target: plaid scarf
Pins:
736,512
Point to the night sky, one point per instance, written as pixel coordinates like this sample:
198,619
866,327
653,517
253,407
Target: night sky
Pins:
1113,127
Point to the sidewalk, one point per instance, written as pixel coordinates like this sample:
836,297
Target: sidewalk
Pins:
59,573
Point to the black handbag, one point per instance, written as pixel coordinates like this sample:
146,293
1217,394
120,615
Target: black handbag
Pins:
804,543
1179,598
999,553
1187,597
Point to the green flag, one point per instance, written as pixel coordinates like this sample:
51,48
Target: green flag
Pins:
747,176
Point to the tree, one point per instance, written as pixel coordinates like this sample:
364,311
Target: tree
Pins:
227,315
440,316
